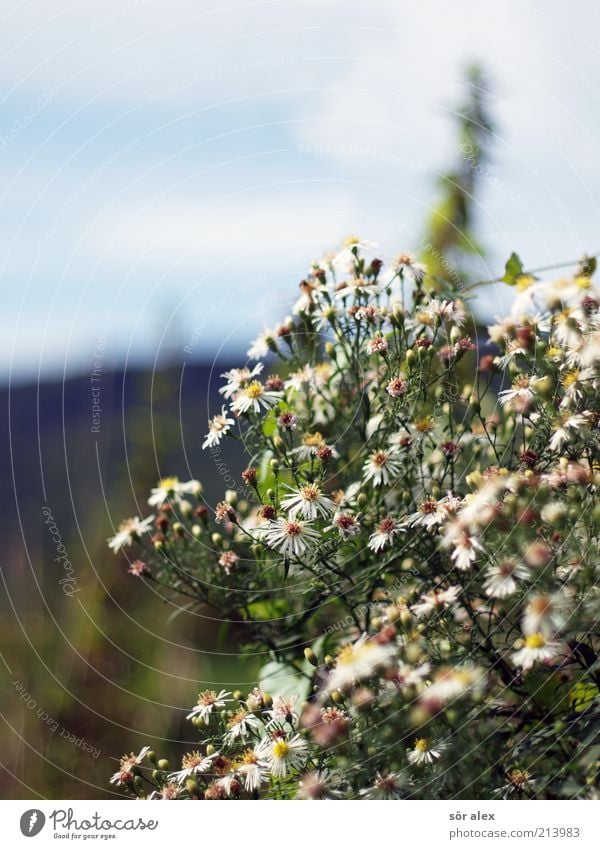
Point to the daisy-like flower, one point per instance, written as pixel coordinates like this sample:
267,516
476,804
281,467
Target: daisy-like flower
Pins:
138,568
236,377
208,701
518,781
130,530
501,580
447,311
358,660
218,427
391,785
194,763
345,260
436,600
463,543
252,770
172,489
453,682
260,347
309,502
290,536
432,513
520,395
379,466
357,286
397,387
546,614
385,534
378,344
239,725
406,265
283,710
316,785
254,395
347,525
168,792
282,754
228,560
537,649
566,427
125,774
425,752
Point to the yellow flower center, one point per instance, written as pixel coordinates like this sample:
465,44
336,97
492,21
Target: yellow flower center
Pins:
280,749
254,389
310,492
422,745
535,641
313,440
168,483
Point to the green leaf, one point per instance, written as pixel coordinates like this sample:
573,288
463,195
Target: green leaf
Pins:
513,269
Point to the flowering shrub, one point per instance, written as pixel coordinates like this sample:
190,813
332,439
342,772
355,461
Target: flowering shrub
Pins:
416,538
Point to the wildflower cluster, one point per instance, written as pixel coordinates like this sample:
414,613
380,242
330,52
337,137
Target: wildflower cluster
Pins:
418,519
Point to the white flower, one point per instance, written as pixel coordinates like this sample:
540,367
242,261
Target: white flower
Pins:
436,600
308,501
449,311
545,614
172,489
260,347
290,536
240,725
501,579
566,427
358,660
391,785
452,682
425,752
385,534
408,266
345,259
379,466
236,377
126,764
253,396
522,389
218,427
283,710
347,525
536,650
282,753
432,513
464,544
192,764
253,771
208,701
129,530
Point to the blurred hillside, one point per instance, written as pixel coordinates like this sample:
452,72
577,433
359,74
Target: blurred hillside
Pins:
93,664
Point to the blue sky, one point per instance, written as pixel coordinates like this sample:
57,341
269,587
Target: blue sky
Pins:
169,169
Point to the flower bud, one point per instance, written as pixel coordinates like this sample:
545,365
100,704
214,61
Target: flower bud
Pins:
278,442
311,657
151,757
474,404
274,464
210,749
330,349
217,540
163,764
196,530
178,529
362,501
336,697
267,700
192,787
231,497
